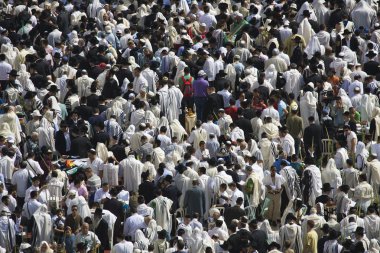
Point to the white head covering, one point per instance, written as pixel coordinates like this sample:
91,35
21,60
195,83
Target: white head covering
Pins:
271,74
361,150
314,46
141,242
374,246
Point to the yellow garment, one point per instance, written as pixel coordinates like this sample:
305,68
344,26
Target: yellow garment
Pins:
311,242
290,44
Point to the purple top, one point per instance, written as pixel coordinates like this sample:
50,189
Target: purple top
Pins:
200,87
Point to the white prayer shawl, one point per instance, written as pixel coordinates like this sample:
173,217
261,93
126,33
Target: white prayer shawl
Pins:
140,116
349,55
269,152
314,46
324,38
175,97
315,191
366,108
92,9
164,100
132,169
177,130
110,218
237,133
198,135
256,194
376,117
24,80
183,183
373,175
291,232
321,11
141,242
231,75
205,182
305,6
271,75
308,107
110,174
319,221
363,14
162,206
14,125
46,134
372,226
152,78
7,233
10,53
331,175
288,145
42,229
158,157
306,30
84,84
294,82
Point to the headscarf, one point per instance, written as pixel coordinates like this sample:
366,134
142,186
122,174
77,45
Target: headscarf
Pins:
5,130
366,108
314,46
10,53
141,242
271,75
349,55
129,132
151,231
196,241
23,78
74,38
361,150
132,63
48,250
345,99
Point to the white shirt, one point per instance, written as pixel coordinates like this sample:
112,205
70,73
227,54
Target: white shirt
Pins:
271,112
100,194
29,190
30,208
235,195
95,165
211,128
208,19
34,167
123,247
132,223
351,137
20,179
226,97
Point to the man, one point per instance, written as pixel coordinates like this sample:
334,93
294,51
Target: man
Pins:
372,224
342,202
326,192
200,94
161,206
287,142
102,194
234,212
42,227
195,200
197,135
132,169
311,240
295,127
7,232
291,185
63,139
74,220
224,122
101,227
341,155
258,236
363,194
20,181
124,246
313,138
360,237
277,61
311,181
291,232
351,139
89,238
34,187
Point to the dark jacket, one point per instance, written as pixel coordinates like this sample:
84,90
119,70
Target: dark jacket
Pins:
60,142
172,193
313,136
213,104
371,67
244,124
102,232
231,213
80,146
146,189
260,238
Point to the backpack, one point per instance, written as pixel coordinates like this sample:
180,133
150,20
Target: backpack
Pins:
187,87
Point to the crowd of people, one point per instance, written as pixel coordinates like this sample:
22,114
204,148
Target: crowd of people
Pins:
190,126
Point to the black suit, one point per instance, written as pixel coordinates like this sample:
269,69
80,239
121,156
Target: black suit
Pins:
322,199
213,104
260,238
80,146
116,207
84,111
229,57
172,193
92,100
353,45
244,124
60,142
102,232
371,67
231,213
313,136
146,189
233,244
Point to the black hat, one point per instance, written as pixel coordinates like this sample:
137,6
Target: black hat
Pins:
346,32
53,88
57,55
306,13
333,235
222,73
30,94
371,54
168,178
344,187
13,73
223,6
162,233
326,187
297,39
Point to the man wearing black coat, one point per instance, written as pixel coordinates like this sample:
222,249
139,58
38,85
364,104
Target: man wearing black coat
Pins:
312,137
258,236
234,212
61,139
84,111
243,123
80,145
146,188
371,67
170,191
115,207
101,230
214,103
350,40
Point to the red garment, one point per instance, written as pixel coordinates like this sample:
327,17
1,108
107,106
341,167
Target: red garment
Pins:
232,111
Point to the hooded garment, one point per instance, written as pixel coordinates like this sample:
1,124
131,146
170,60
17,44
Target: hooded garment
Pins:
306,30
308,107
314,46
330,174
42,229
271,75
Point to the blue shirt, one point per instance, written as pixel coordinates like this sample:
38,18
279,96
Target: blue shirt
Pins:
277,164
281,108
200,87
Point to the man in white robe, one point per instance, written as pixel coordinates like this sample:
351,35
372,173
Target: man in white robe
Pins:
269,151
373,174
84,84
139,82
151,77
141,115
372,224
182,182
308,108
291,232
158,155
132,169
197,135
7,232
305,28
313,187
287,142
363,14
294,80
175,98
330,174
42,229
161,206
163,93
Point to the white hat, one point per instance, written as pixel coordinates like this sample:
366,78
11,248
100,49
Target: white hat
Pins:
202,73
108,29
11,139
276,51
294,107
286,22
203,24
131,95
36,113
